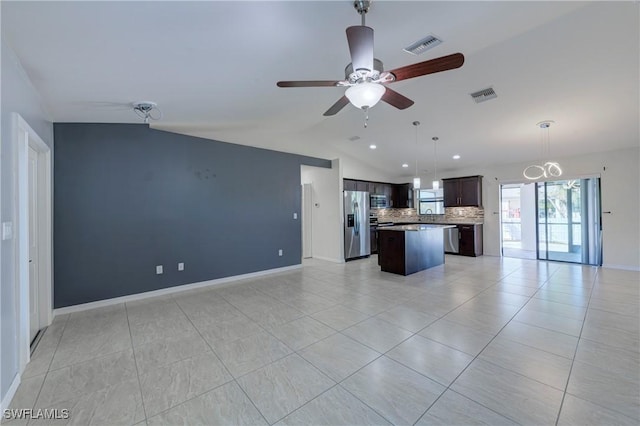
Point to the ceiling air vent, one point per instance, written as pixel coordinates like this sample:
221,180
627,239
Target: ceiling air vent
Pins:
354,138
423,45
484,95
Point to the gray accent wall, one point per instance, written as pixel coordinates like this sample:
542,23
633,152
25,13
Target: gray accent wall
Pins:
128,198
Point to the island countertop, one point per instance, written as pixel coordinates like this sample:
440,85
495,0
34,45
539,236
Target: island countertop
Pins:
414,227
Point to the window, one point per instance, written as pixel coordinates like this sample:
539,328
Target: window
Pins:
430,201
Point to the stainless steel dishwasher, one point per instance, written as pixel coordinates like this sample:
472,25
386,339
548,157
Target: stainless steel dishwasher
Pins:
451,240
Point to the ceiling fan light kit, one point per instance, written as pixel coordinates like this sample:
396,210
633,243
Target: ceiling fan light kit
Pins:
365,95
364,76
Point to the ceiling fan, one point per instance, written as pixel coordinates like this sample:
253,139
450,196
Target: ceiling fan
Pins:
365,79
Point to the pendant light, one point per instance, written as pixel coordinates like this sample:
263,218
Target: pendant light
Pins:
435,185
416,179
546,169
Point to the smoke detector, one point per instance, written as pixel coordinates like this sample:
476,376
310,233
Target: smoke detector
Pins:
147,110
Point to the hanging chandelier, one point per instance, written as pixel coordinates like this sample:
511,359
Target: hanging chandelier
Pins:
547,169
147,110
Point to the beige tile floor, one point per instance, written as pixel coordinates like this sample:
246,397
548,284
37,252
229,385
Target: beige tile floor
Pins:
476,341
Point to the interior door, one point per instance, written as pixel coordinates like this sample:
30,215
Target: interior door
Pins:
34,318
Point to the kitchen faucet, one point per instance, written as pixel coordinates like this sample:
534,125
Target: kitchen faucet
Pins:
429,213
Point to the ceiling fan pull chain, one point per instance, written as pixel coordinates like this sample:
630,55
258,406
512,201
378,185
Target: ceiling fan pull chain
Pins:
366,116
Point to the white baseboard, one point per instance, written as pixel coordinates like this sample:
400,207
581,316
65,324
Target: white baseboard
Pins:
623,267
11,392
169,290
328,259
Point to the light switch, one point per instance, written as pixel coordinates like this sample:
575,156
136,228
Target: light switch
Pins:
295,215
7,230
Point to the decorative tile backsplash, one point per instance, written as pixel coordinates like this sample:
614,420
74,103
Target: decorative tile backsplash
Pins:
452,215
473,214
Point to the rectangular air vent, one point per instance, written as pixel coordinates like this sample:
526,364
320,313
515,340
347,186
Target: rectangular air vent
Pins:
484,95
423,45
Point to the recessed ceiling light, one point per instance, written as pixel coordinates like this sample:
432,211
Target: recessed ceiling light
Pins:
456,157
405,165
372,146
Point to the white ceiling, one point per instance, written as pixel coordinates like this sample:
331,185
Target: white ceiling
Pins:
212,68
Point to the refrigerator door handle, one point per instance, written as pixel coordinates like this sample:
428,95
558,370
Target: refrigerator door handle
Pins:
356,215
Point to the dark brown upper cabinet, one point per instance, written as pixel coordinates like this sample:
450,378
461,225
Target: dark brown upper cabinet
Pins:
463,191
402,195
349,185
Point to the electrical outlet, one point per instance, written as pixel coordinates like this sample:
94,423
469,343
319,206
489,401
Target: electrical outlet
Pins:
295,215
159,270
280,252
181,266
7,230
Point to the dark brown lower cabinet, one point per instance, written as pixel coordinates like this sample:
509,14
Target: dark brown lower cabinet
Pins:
407,252
374,240
470,240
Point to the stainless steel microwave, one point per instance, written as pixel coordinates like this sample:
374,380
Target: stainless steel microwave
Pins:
378,201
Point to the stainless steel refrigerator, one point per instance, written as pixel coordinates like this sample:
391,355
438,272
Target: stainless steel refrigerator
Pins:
356,225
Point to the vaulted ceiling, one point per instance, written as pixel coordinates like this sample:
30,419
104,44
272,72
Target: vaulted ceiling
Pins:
212,69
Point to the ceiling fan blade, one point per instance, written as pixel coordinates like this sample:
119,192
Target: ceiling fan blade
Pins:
396,99
309,83
432,66
335,108
360,40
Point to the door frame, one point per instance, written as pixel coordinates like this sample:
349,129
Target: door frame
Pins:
26,137
307,220
598,209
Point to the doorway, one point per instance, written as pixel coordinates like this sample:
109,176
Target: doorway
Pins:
555,220
34,289
518,220
33,236
568,225
307,228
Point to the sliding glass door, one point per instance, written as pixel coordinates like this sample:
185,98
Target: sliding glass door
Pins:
568,225
518,220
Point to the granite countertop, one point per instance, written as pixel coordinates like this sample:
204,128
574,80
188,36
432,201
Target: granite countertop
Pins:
415,227
431,223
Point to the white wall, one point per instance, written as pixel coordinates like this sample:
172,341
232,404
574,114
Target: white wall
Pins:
355,169
17,95
528,214
326,233
620,185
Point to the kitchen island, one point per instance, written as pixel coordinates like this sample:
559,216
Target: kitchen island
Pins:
406,249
